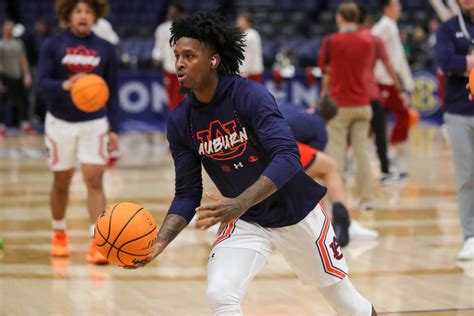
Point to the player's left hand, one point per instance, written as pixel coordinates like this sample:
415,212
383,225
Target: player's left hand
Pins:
113,142
223,210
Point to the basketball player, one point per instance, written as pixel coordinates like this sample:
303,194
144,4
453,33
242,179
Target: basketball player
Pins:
232,127
70,134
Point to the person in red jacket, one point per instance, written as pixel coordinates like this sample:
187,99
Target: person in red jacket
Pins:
343,59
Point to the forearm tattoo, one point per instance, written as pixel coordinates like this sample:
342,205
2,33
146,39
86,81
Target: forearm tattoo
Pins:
259,191
171,228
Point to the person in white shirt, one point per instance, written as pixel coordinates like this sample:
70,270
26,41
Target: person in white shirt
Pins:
103,29
396,100
252,66
163,56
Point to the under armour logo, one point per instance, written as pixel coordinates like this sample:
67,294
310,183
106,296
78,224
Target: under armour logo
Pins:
459,34
336,249
238,165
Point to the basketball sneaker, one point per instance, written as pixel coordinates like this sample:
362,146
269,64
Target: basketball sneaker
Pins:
467,252
93,255
59,247
359,232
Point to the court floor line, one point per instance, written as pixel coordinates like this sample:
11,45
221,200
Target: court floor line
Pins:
422,311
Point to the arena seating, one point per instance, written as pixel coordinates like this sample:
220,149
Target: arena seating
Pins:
296,27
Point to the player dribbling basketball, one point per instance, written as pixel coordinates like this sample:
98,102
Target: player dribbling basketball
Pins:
72,135
233,128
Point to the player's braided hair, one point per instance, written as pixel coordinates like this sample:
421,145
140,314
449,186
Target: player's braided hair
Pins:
211,29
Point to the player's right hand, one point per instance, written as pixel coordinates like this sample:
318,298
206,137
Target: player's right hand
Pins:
143,262
67,84
223,210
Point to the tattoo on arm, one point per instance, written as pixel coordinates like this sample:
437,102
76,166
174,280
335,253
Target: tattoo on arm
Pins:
257,192
171,228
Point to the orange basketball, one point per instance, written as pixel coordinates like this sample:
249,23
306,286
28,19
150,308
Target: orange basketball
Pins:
90,93
471,81
125,232
413,117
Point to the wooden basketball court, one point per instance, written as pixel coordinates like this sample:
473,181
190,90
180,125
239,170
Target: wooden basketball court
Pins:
411,270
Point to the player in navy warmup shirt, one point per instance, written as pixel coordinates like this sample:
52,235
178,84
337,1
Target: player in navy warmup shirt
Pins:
72,135
454,51
232,127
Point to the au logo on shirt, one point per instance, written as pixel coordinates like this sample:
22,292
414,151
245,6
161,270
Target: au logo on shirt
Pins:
222,141
80,59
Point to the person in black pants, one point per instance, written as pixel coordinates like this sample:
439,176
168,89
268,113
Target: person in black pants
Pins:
378,122
15,77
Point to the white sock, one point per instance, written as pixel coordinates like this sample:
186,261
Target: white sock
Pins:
59,224
91,230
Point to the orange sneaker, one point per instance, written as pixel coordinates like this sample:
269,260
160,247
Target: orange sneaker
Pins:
59,247
94,256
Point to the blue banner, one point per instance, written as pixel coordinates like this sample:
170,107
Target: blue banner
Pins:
143,99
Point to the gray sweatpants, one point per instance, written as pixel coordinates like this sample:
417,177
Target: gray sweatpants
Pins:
461,136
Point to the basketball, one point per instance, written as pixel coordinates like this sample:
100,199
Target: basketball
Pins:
125,232
471,81
90,93
413,117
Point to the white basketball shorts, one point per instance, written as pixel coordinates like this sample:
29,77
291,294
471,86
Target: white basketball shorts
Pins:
310,246
69,142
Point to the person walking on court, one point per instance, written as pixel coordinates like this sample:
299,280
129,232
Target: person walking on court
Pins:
455,54
396,100
343,59
70,134
378,122
232,127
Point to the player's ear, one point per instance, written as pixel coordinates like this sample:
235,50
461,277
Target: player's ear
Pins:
215,61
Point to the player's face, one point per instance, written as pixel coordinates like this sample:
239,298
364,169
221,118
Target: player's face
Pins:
467,5
82,19
193,63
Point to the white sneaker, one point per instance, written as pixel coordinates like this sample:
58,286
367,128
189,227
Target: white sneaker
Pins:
467,252
359,232
394,177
